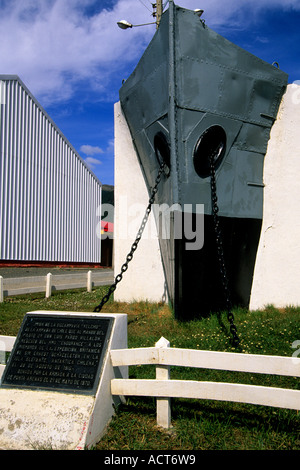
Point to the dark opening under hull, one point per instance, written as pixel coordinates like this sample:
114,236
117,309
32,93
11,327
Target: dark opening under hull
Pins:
198,285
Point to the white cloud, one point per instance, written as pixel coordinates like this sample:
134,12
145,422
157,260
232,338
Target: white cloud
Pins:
90,150
57,48
54,45
92,162
110,147
229,14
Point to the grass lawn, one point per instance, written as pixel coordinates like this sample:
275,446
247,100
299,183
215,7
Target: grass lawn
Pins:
196,424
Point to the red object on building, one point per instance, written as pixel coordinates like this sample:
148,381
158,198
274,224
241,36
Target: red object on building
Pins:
107,227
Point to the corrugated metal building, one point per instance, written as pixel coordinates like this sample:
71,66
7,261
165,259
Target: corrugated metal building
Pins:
49,199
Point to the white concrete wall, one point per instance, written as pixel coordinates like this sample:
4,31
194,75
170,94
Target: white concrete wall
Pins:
276,277
144,279
277,270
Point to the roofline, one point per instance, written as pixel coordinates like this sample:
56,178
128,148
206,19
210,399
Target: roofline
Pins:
4,77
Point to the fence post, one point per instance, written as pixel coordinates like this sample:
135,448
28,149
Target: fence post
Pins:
48,285
163,405
1,290
89,281
2,352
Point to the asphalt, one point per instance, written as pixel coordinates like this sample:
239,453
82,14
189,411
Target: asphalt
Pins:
13,272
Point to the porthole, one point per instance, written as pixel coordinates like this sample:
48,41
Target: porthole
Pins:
162,151
211,142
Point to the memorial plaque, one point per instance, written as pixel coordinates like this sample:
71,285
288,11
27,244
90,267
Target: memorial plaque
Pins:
57,352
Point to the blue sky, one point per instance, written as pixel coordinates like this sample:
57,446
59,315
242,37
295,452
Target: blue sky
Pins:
73,57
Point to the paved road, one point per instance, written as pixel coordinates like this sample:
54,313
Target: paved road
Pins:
14,272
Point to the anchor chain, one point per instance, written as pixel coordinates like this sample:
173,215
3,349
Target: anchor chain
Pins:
220,251
134,246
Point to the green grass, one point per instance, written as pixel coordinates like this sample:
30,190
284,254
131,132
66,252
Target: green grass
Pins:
196,424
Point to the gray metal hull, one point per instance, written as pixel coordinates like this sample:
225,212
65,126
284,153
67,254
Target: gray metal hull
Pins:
188,81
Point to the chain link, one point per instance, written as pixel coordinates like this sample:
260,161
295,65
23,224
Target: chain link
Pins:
220,251
134,246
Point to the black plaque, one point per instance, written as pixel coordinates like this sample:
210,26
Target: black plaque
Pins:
56,352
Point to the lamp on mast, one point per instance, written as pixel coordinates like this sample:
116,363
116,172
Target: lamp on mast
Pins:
157,13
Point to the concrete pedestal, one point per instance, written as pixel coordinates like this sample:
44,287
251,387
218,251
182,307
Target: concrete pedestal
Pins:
277,268
144,279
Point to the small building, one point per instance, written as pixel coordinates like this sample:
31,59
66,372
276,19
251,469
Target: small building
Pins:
107,224
50,201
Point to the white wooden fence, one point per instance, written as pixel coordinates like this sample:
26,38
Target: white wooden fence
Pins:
6,345
163,388
50,283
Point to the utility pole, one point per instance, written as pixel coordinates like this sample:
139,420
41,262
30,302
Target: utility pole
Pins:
158,12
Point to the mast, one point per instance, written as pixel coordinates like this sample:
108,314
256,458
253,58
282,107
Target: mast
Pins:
157,11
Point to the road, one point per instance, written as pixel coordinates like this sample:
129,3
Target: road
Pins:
14,272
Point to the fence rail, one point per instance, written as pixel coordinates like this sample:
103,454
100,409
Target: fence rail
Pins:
50,283
163,388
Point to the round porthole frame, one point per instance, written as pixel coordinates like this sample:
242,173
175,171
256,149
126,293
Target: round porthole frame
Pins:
162,151
212,140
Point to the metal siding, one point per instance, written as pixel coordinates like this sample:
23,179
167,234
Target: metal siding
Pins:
49,197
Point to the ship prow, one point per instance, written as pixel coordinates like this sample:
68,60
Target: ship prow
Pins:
193,93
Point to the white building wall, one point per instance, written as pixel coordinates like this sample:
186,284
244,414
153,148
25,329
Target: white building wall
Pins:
48,196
